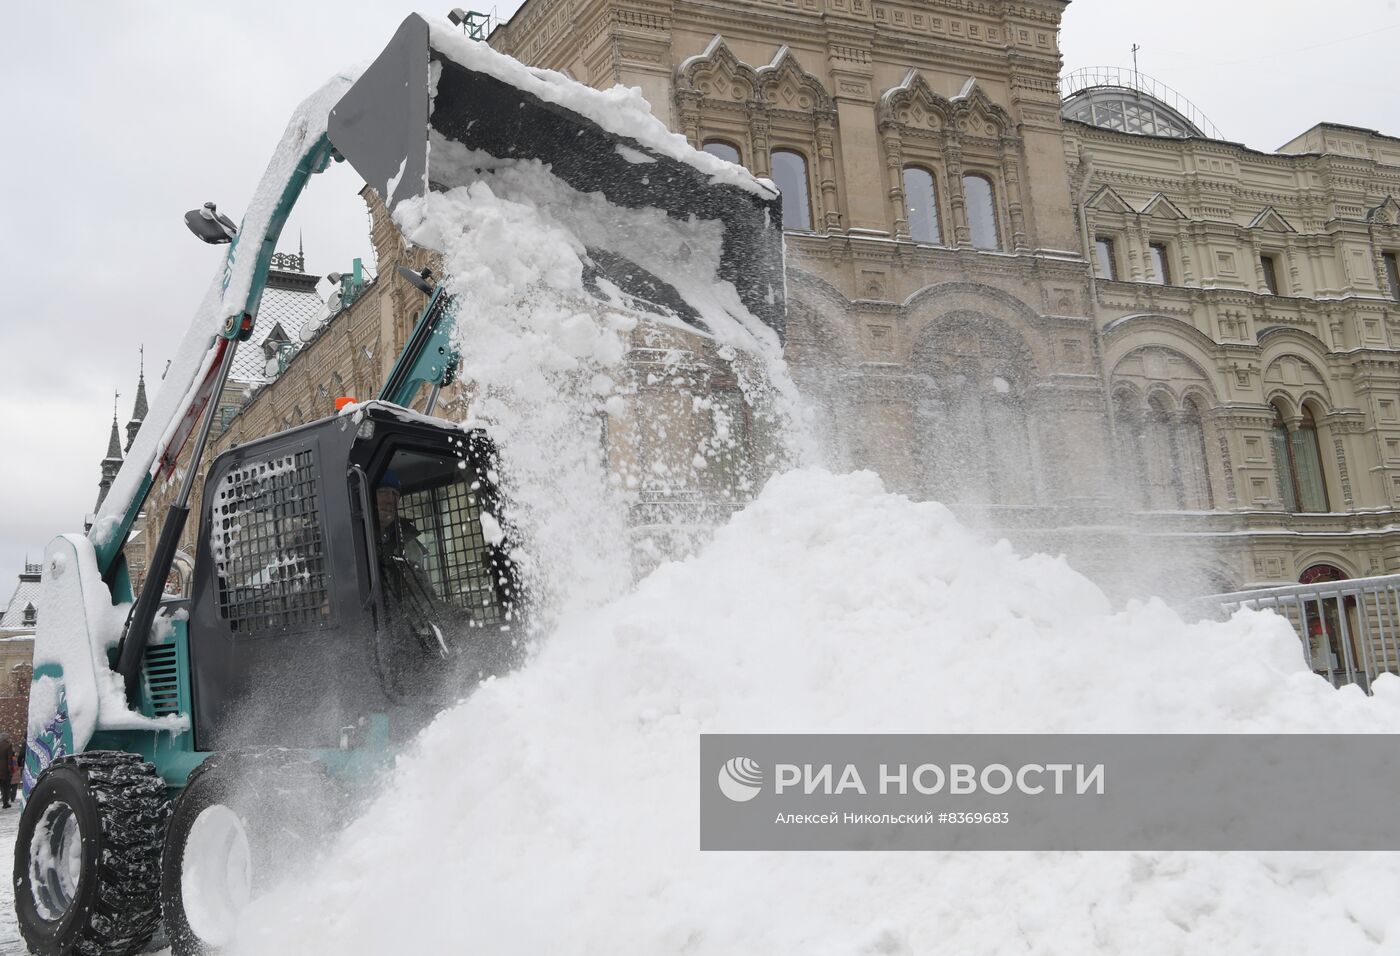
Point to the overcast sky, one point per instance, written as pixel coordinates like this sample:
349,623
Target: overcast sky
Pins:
119,117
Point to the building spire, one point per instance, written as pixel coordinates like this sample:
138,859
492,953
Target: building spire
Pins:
113,462
138,411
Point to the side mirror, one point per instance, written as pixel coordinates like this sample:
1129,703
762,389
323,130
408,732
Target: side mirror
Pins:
211,225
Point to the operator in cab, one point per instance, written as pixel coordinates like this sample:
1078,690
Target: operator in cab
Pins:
413,607
398,537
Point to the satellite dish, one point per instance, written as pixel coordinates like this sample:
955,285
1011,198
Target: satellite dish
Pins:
272,368
313,325
333,303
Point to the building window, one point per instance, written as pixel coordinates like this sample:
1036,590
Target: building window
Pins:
921,205
1127,431
31,616
1298,459
1108,262
1161,467
1392,274
1157,259
1191,457
790,176
1162,454
725,151
981,212
1270,268
977,445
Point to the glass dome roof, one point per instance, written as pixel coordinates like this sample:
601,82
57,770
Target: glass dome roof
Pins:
1131,102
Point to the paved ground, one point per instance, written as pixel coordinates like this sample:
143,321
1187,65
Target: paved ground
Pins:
10,943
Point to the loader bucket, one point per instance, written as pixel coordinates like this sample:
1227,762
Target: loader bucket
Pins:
383,123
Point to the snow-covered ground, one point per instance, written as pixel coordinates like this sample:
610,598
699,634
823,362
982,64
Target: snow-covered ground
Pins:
10,942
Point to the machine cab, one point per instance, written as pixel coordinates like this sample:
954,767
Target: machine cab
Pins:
352,567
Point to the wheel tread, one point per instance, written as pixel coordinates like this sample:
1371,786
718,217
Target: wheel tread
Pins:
132,811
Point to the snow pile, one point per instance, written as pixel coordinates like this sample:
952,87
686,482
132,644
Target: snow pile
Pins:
557,809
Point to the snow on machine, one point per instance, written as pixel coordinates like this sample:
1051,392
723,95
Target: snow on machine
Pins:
346,571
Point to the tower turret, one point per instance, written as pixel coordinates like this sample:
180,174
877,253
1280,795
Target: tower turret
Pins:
113,462
138,411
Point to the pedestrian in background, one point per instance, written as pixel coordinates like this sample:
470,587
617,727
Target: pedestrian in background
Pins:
16,772
8,767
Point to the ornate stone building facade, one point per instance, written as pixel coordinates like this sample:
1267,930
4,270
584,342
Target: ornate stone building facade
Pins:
1247,308
18,619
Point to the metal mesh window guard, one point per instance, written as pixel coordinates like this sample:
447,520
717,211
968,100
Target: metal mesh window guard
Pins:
457,559
269,546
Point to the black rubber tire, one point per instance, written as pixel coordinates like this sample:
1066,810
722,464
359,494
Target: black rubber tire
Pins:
120,808
286,804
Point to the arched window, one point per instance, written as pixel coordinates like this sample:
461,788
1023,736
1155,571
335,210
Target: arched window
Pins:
1008,443
1298,458
1283,461
976,442
921,205
1127,430
1191,456
955,442
981,212
790,175
1159,452
1307,465
725,151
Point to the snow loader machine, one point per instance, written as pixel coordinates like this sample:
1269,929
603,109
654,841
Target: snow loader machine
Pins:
350,576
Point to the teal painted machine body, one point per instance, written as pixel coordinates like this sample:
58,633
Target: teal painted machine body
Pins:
165,690
165,682
430,358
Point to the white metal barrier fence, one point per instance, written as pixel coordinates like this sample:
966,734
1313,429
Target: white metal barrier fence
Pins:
1350,630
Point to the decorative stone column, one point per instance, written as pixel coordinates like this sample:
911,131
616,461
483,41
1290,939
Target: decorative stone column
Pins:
952,151
826,171
1295,281
894,172
688,112
1011,176
1221,426
759,130
1183,250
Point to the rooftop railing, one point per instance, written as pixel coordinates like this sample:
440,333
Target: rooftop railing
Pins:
1093,77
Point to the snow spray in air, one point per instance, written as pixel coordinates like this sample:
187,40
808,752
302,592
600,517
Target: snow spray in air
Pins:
591,403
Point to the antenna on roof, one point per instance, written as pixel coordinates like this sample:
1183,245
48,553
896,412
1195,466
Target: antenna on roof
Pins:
1136,47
